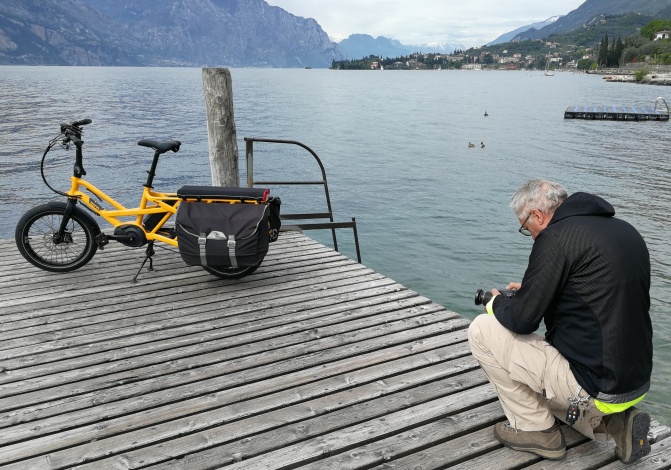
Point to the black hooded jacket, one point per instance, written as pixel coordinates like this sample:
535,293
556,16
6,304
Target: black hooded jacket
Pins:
588,278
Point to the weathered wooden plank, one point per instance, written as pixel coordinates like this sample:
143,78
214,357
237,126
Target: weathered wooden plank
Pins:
446,453
255,342
217,409
363,433
122,265
659,458
127,293
35,325
658,431
80,280
41,341
592,454
233,378
191,339
199,325
121,272
129,260
475,450
502,457
285,426
152,295
588,455
160,277
115,251
119,256
412,440
69,348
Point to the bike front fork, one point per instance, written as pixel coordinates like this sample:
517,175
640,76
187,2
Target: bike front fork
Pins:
60,236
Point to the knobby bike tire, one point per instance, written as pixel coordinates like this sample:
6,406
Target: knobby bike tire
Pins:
231,273
35,232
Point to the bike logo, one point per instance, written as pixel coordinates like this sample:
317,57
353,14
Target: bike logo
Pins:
95,205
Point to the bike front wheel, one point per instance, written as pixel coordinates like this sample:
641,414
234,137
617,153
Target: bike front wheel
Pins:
231,273
37,238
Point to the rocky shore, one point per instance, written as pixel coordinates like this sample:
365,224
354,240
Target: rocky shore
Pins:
650,79
657,74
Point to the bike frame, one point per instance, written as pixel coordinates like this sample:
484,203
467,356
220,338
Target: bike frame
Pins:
152,202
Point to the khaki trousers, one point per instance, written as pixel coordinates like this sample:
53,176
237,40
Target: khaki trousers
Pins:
532,379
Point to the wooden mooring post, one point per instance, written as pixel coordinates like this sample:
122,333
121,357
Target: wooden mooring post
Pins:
221,135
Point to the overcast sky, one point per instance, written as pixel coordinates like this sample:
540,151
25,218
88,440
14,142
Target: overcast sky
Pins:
468,22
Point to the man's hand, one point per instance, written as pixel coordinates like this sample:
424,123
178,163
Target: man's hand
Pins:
514,286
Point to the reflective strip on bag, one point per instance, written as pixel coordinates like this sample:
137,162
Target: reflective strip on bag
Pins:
214,235
202,242
231,251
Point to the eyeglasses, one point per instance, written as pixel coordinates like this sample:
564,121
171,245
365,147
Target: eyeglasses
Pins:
523,230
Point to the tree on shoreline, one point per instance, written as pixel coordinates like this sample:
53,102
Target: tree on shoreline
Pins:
603,52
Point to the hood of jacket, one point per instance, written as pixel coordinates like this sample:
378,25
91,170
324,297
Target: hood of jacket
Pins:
582,204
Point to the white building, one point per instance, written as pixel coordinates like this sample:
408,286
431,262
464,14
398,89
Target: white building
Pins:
665,34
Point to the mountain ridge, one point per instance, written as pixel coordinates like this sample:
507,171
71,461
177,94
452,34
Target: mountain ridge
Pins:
592,9
236,33
509,36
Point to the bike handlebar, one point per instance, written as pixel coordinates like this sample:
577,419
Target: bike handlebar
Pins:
75,125
73,131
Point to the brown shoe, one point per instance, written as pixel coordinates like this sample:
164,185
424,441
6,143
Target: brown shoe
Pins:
549,444
630,431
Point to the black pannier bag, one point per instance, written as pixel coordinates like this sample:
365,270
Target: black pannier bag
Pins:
222,234
274,222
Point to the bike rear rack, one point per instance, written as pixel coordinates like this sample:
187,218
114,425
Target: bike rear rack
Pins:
331,224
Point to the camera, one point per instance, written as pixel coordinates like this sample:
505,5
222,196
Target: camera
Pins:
483,298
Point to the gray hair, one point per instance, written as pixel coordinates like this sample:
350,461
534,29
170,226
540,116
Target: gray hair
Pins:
539,194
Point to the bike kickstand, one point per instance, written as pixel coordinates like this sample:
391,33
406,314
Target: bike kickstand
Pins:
148,256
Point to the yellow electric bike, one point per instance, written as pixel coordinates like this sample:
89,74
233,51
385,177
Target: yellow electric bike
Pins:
62,236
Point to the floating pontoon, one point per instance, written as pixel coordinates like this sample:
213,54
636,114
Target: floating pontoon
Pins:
658,112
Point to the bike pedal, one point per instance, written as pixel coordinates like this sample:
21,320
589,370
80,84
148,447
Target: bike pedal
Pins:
101,240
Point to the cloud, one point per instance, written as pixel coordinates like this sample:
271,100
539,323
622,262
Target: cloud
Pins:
472,23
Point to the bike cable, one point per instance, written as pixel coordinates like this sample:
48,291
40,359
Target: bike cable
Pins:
52,143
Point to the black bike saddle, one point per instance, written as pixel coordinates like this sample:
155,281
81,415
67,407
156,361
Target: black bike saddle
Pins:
161,146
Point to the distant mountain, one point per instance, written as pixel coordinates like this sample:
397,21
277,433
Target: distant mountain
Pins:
234,33
507,37
591,9
437,47
358,46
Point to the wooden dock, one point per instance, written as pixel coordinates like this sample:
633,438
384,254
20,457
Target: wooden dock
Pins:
314,362
616,113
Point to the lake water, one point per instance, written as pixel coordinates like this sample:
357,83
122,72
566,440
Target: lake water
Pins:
432,213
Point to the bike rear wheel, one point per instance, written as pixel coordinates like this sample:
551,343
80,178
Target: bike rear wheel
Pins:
231,273
37,238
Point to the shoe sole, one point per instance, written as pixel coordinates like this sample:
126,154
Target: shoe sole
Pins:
548,454
639,445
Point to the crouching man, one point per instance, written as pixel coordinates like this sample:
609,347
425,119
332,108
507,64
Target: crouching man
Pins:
588,279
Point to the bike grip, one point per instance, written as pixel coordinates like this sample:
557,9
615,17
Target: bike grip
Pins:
82,122
72,136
